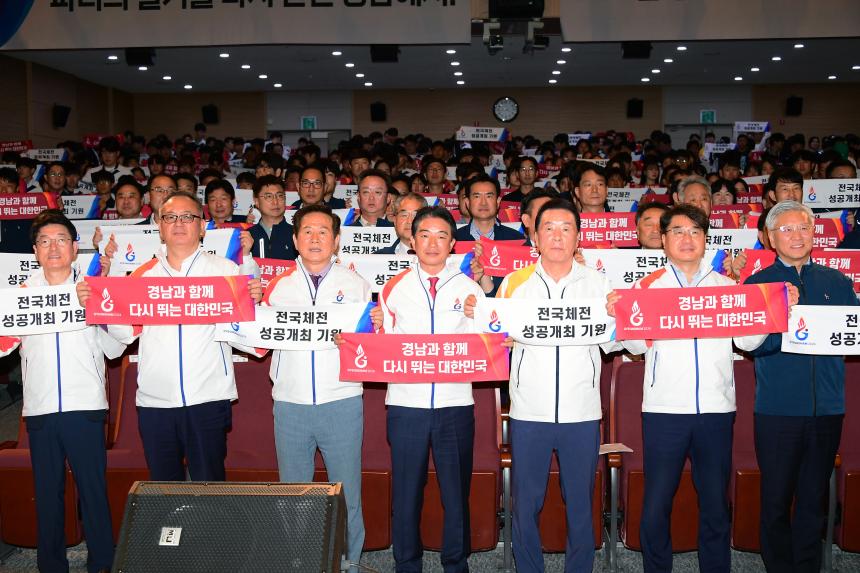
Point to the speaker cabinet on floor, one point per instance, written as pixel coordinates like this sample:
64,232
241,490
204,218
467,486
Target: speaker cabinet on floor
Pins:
191,527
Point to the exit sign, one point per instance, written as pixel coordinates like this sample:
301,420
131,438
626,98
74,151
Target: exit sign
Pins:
309,122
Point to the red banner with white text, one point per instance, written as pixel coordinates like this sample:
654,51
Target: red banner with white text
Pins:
608,230
26,205
501,258
845,261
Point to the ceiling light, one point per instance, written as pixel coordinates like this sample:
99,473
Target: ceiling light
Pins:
359,75
187,86
142,68
113,58
223,55
263,77
279,85
646,79
565,50
455,63
553,81
561,62
655,71
556,73
855,67
368,84
738,78
798,45
776,59
460,82
349,65
336,53
450,51
831,77
754,69
246,66
458,74
681,48
668,60
167,78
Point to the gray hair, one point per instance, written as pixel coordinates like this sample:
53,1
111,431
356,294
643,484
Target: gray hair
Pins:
784,207
691,180
401,198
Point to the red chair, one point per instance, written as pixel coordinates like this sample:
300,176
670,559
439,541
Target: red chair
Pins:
745,486
848,463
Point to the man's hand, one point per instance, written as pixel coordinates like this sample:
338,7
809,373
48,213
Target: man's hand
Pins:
793,294
84,291
247,241
338,339
97,238
255,289
578,256
376,317
104,261
508,342
735,265
112,247
469,306
249,218
611,299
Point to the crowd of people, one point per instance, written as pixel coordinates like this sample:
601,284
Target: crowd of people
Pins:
689,397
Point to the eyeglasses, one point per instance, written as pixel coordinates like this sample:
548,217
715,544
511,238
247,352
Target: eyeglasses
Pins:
406,214
789,229
693,232
45,242
162,190
435,170
171,218
273,196
56,174
307,184
527,169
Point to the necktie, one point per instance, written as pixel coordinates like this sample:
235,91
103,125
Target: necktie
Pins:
316,280
433,281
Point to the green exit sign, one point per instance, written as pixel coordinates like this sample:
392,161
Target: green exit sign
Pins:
309,122
708,116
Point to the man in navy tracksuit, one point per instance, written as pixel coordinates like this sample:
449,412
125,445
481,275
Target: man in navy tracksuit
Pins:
799,404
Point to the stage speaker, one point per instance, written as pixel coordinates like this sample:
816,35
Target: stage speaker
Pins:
794,106
191,527
210,114
384,53
635,50
140,56
378,111
60,115
516,9
635,108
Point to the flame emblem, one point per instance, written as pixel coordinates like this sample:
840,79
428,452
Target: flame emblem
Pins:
812,196
360,357
802,332
352,267
129,253
339,297
599,266
495,325
107,301
234,326
756,266
457,304
636,318
495,259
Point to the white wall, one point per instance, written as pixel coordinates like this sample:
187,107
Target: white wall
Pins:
681,106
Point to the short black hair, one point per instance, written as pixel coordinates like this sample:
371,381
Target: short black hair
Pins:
359,177
265,181
839,163
729,185
9,174
187,177
527,158
329,167
434,213
128,180
102,175
644,207
482,178
109,144
51,217
536,193
784,175
24,161
428,160
316,208
561,205
696,215
217,184
273,160
246,177
589,166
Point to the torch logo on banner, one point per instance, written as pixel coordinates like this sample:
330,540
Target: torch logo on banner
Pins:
458,305
802,333
495,259
339,297
757,266
495,325
129,254
812,196
107,301
636,318
234,326
360,357
599,267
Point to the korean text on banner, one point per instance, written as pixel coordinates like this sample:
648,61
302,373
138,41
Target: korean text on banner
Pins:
501,258
831,193
41,310
25,205
705,312
169,300
826,330
423,358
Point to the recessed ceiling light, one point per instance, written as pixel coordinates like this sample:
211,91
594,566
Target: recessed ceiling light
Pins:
561,62
798,45
556,73
681,48
655,71
738,78
336,53
460,82
368,84
167,78
223,55
455,63
754,69
113,58
142,68
831,77
450,51
776,59
246,66
565,50
359,75
646,79
458,74
553,81
187,86
855,67
349,65
668,60
279,85
263,76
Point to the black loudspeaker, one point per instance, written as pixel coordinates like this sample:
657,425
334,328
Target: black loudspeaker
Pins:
140,56
210,114
794,106
384,53
188,527
378,111
60,115
516,9
635,50
635,108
